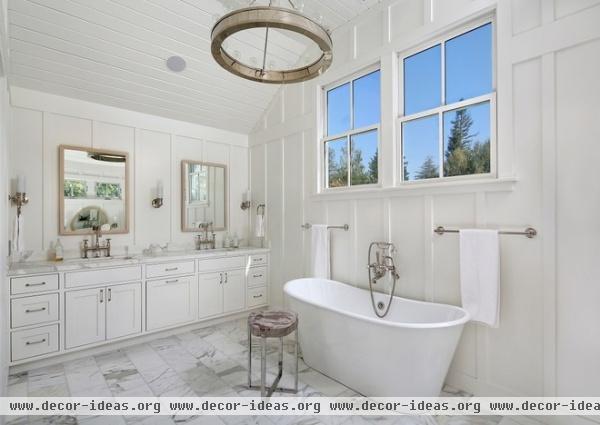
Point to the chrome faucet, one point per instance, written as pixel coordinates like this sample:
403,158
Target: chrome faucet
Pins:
97,248
384,262
203,240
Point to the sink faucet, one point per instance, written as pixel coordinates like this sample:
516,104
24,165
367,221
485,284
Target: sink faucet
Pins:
97,248
203,240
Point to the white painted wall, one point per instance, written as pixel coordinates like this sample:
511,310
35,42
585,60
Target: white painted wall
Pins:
548,55
41,122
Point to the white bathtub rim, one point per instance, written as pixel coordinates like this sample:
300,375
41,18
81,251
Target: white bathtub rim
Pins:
437,325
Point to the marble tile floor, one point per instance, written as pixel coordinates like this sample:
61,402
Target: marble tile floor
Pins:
204,362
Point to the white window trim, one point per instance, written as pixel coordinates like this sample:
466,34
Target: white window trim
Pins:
323,153
439,111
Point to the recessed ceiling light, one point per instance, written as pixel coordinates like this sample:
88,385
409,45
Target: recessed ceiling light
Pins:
176,63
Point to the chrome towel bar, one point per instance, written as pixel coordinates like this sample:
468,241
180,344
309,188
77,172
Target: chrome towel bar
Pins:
344,227
530,232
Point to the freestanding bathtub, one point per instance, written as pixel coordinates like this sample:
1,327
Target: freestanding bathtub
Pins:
405,354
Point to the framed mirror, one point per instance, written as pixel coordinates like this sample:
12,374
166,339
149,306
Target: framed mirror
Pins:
93,191
203,195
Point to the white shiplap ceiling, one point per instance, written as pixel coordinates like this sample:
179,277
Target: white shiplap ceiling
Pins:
114,51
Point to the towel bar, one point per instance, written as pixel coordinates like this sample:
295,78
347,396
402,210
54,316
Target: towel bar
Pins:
530,232
344,227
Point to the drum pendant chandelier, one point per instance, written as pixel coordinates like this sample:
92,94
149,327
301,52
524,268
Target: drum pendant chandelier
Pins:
271,17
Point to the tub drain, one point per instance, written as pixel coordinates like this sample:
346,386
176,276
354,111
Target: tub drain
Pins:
380,305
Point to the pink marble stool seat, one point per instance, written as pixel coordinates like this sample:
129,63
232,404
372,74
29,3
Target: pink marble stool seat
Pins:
272,324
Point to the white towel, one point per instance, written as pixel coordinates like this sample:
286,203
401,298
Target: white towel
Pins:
259,226
18,243
319,257
480,275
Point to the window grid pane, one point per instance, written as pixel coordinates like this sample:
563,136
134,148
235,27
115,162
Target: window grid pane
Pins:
420,148
423,80
364,158
336,153
338,109
468,64
366,96
467,140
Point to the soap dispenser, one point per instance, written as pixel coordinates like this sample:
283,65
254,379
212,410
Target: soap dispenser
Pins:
58,251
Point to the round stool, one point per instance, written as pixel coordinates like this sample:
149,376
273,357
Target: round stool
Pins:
271,324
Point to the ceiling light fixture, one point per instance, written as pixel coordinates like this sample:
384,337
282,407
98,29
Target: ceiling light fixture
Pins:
271,18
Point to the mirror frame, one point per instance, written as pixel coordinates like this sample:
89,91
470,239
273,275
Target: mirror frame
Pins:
61,190
184,187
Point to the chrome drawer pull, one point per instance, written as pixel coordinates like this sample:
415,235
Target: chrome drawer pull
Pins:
35,342
257,296
172,269
35,284
257,275
37,310
172,281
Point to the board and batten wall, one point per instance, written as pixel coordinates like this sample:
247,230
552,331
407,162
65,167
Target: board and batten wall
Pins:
40,122
548,62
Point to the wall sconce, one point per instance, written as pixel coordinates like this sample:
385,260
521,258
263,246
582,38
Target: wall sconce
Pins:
20,197
246,200
158,201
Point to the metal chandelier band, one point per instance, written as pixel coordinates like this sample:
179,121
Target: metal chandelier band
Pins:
271,17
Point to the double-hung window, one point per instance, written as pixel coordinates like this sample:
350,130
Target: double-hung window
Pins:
353,114
448,108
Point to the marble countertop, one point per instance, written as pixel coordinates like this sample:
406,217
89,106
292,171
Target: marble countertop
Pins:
75,264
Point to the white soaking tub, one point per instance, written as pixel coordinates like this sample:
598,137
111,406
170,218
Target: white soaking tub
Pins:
405,354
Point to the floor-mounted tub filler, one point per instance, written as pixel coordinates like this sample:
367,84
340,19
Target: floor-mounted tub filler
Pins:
405,354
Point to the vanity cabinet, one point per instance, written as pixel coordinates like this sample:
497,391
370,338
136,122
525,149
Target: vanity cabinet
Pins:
99,314
64,308
171,302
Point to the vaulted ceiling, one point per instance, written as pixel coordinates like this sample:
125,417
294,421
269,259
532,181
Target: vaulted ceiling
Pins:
114,52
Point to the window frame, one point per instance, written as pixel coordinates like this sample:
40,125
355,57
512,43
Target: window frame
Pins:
324,153
443,108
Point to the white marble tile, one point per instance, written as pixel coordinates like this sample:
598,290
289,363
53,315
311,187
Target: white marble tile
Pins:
174,354
120,374
82,374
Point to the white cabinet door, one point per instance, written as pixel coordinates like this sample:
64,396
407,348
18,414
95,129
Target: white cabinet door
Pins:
85,317
123,310
170,302
234,291
210,294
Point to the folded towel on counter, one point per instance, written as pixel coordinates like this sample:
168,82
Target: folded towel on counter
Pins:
320,251
480,275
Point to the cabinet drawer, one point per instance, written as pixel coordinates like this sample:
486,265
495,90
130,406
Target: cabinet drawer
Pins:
221,264
103,276
257,296
34,342
257,276
25,285
258,260
33,310
170,269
